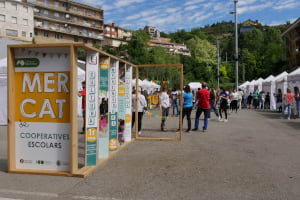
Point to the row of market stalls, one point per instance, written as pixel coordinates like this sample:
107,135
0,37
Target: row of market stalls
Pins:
272,83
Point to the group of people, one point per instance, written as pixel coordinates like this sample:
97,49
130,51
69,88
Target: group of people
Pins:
205,100
287,101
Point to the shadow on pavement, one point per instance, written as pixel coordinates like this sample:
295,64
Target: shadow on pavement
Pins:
273,115
3,165
295,124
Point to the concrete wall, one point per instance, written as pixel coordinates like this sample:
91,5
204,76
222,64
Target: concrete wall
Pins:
23,12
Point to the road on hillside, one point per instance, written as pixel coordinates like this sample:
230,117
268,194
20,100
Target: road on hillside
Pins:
255,156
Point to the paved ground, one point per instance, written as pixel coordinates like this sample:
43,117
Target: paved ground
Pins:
253,156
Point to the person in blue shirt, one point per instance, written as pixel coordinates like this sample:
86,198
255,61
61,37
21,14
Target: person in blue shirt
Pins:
187,106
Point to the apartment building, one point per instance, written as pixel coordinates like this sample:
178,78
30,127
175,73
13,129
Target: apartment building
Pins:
166,43
154,32
67,21
293,44
16,20
114,35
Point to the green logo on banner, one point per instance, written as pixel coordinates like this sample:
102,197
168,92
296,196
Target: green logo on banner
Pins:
27,62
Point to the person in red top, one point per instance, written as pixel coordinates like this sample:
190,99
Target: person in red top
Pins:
203,97
288,100
82,94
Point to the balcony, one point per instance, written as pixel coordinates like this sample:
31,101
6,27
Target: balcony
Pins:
63,9
69,31
60,19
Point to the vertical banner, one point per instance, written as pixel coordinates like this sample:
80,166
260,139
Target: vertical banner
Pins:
128,96
121,111
103,147
42,108
92,110
104,77
113,105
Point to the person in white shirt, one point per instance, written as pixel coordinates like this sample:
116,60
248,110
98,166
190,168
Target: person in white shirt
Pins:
142,105
164,105
234,100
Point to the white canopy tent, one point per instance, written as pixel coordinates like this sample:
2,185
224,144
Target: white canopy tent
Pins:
258,84
293,79
266,84
3,91
250,87
244,85
273,89
195,85
281,83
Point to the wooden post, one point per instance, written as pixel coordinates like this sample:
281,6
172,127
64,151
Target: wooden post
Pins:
181,102
136,101
11,111
73,111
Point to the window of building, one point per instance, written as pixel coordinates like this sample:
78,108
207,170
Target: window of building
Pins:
75,8
113,29
46,12
56,14
25,22
45,24
76,39
46,34
14,20
14,5
25,8
31,35
2,4
10,32
36,32
75,19
23,34
56,3
57,35
2,18
46,2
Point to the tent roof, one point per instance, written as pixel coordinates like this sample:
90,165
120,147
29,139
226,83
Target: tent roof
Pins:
244,84
269,78
295,72
259,80
281,76
195,85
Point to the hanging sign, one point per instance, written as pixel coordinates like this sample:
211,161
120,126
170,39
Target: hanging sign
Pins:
128,96
92,110
42,109
104,77
113,105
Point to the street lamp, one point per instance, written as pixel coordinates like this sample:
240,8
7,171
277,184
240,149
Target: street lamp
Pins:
236,45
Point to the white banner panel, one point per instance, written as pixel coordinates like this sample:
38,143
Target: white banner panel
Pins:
42,146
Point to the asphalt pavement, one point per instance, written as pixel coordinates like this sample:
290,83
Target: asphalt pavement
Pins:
254,156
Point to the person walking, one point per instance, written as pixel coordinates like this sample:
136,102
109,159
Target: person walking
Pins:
249,100
223,104
262,98
234,100
288,100
187,106
174,96
297,100
141,106
82,94
213,103
164,105
203,97
267,101
255,98
241,94
279,100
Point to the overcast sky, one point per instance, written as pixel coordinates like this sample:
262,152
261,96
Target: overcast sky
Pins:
171,15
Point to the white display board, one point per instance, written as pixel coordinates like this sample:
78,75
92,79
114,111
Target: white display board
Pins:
42,111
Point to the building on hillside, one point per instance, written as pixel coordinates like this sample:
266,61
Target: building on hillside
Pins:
170,46
67,21
249,25
293,44
16,20
153,32
114,35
